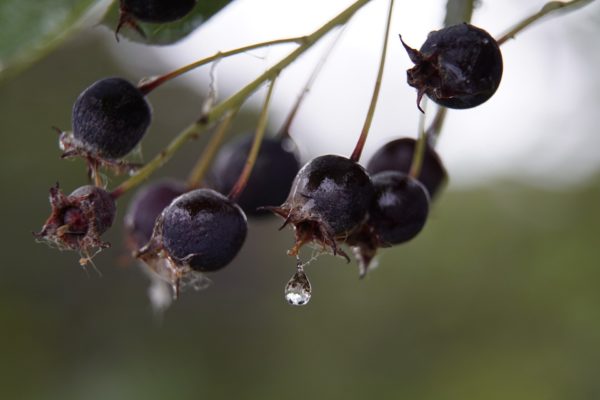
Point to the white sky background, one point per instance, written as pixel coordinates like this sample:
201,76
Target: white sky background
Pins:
540,127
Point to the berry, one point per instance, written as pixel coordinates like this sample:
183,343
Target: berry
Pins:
146,206
457,67
77,220
109,119
271,177
397,214
157,11
201,230
329,199
397,155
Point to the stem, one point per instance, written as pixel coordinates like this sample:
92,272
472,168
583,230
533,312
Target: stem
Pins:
236,100
546,9
148,85
254,150
285,128
419,153
365,131
435,128
210,151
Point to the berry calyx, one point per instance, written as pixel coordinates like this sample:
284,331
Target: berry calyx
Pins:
397,155
200,231
145,207
154,11
457,67
271,178
78,220
397,214
329,200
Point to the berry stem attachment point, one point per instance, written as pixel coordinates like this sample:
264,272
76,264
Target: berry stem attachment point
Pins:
420,146
150,84
548,8
210,151
261,128
367,125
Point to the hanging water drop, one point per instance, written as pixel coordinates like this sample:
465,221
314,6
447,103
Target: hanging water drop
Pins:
298,290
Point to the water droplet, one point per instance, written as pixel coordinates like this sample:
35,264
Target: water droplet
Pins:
298,290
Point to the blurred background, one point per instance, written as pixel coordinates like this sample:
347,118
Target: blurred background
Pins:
497,298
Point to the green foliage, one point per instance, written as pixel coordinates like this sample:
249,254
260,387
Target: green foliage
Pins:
163,34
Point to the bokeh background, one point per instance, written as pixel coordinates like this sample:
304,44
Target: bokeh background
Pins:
497,298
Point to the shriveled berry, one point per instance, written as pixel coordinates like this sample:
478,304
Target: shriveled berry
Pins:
78,220
146,206
109,119
397,214
397,155
329,199
158,11
271,177
457,67
201,230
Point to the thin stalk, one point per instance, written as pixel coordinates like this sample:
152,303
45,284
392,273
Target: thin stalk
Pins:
150,84
255,149
236,100
435,128
285,128
367,125
419,153
546,9
205,160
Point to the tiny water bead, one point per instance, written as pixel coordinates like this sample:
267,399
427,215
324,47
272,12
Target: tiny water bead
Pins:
298,290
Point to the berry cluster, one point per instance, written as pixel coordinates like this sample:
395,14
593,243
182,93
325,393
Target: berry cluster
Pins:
183,231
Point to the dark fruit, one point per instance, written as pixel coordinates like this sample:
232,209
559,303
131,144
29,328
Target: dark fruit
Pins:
271,177
397,214
457,67
109,119
146,206
157,11
201,230
397,155
77,220
329,199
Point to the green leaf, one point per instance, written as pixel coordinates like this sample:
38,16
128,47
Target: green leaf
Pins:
29,29
459,11
163,34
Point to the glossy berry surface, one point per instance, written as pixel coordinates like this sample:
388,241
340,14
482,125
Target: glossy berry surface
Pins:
77,220
110,118
157,11
399,209
146,206
203,229
329,198
271,178
457,67
397,155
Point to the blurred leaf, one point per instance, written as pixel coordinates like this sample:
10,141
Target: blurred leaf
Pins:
459,11
163,34
31,29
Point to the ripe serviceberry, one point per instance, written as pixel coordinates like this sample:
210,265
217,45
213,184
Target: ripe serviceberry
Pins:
457,67
146,206
397,155
77,220
200,231
155,11
328,201
397,214
271,177
109,119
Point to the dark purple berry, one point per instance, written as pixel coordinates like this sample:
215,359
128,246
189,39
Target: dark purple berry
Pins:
271,177
157,11
397,155
109,119
78,220
201,230
329,199
146,206
457,67
397,214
